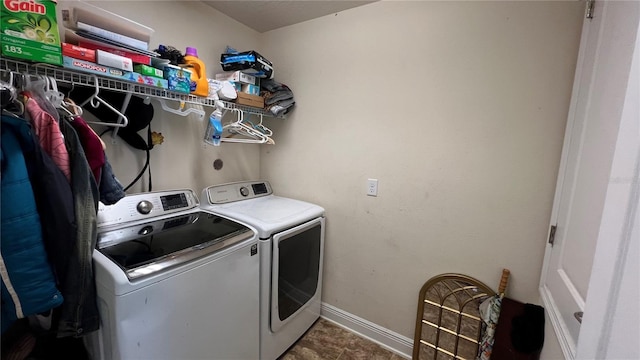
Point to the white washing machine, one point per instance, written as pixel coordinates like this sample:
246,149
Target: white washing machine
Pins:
174,281
291,249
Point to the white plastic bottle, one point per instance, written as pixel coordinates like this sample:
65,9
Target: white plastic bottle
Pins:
214,128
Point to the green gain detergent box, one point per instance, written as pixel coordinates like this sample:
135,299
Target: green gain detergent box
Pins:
30,31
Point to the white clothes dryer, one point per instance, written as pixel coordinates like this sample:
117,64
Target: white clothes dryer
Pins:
291,247
174,281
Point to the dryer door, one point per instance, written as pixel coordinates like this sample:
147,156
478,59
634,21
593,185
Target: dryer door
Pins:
296,271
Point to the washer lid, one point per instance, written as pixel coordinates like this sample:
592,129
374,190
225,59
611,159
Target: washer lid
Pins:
149,247
269,214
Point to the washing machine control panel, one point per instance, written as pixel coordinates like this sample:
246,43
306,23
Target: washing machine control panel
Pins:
174,201
146,205
226,193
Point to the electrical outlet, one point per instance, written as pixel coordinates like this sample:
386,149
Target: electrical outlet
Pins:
372,187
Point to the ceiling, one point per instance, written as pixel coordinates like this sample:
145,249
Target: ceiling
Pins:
265,15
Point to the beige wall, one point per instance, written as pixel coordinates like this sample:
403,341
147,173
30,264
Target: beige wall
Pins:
458,108
183,160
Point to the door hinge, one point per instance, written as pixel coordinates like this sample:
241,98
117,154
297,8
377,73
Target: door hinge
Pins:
552,234
590,4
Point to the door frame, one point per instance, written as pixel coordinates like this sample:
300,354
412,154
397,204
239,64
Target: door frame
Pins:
619,227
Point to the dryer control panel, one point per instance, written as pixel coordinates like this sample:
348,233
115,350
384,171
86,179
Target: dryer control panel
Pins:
146,205
238,191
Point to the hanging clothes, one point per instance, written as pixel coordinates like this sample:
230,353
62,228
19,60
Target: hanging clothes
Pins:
54,201
48,132
79,313
111,190
28,285
140,116
92,146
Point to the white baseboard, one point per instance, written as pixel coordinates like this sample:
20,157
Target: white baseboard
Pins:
392,341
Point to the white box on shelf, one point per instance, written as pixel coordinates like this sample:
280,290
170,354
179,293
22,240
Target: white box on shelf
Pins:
236,76
113,60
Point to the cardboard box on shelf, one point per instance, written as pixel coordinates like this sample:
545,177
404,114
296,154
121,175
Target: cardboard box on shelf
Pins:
93,68
86,66
236,76
113,60
78,52
250,89
136,58
151,81
248,62
30,37
250,100
148,71
179,78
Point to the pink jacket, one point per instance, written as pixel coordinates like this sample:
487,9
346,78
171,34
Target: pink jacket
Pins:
49,135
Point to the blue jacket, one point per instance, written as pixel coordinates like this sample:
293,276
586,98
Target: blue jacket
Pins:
28,284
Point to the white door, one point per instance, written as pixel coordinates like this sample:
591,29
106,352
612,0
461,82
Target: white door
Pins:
600,84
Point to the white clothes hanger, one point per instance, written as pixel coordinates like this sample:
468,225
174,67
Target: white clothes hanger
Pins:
181,109
51,92
240,128
95,101
260,127
9,85
72,107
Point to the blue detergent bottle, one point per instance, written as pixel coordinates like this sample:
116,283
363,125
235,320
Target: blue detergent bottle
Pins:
214,128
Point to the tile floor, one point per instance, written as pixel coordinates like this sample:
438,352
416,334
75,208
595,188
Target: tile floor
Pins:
327,341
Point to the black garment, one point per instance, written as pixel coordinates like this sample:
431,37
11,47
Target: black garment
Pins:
79,312
527,330
54,201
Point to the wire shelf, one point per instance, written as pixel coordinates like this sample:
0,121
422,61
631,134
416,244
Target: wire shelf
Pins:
87,79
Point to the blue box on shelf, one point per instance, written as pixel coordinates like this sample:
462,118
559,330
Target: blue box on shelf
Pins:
178,79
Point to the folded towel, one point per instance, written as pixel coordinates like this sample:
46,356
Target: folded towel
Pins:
273,86
281,108
278,97
274,97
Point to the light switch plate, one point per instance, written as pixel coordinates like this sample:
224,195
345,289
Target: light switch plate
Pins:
372,187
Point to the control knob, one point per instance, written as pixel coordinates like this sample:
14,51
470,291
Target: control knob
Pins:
144,207
244,191
146,230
